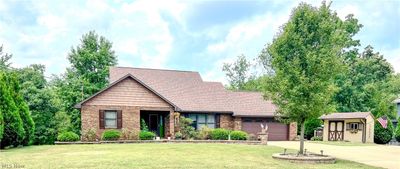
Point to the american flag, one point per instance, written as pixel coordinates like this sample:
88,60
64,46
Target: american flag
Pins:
383,121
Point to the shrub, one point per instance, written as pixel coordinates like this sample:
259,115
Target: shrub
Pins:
133,135
383,135
219,134
143,125
186,129
239,135
68,136
204,133
111,135
316,138
89,135
146,135
178,135
397,134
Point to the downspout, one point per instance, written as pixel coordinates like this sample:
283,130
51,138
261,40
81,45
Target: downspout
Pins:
364,130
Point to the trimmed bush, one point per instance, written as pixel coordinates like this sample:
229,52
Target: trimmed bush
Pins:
204,133
316,138
219,134
89,135
146,135
311,125
68,136
383,135
111,135
238,135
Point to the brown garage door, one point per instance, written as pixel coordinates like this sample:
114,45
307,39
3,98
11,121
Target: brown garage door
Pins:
277,131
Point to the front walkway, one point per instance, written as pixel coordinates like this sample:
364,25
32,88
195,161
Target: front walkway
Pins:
375,155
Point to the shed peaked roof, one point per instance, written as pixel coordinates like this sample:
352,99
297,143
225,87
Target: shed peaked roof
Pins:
187,92
346,115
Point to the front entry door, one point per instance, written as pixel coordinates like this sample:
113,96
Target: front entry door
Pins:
336,131
153,122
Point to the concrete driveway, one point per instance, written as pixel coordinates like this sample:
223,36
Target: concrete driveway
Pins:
374,155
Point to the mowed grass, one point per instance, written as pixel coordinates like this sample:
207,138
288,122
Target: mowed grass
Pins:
167,155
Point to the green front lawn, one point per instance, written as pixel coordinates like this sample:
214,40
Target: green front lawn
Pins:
154,156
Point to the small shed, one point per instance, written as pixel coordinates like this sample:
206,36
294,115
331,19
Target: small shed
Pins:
349,126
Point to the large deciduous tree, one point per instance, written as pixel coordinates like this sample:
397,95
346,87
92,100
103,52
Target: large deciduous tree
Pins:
366,84
306,55
238,73
90,62
42,102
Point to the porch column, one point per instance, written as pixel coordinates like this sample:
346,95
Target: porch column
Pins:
172,124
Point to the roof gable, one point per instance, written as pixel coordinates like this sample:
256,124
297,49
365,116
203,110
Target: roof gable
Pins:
125,87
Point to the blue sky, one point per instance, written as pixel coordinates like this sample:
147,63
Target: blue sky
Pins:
185,35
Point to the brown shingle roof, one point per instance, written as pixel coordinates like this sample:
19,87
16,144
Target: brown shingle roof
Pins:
190,93
346,115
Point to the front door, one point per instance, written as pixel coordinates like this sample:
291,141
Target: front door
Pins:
335,130
153,123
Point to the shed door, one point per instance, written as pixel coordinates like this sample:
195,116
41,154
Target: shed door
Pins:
335,130
276,131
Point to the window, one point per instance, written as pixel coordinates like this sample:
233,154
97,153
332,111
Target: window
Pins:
110,118
200,120
354,126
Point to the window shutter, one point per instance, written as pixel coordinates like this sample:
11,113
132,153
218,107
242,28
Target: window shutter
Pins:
101,119
119,119
348,127
360,126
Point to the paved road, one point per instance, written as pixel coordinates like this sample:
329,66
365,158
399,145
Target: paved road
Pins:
374,155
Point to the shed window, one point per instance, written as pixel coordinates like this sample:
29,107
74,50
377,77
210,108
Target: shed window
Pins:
110,118
354,126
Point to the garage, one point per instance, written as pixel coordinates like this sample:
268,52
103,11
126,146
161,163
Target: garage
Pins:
277,131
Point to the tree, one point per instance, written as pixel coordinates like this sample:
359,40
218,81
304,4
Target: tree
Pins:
366,86
90,62
23,109
4,59
237,73
306,55
42,102
14,133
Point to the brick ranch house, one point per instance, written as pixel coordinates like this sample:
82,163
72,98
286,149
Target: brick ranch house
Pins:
159,97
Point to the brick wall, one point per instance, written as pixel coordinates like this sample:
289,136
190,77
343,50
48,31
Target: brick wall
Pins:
90,117
130,117
292,131
226,121
238,123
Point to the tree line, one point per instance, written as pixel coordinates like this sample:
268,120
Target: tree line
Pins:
34,108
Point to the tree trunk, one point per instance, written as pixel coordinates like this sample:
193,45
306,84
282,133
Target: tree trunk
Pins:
301,151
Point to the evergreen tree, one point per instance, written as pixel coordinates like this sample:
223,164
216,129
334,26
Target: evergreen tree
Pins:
13,125
25,114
